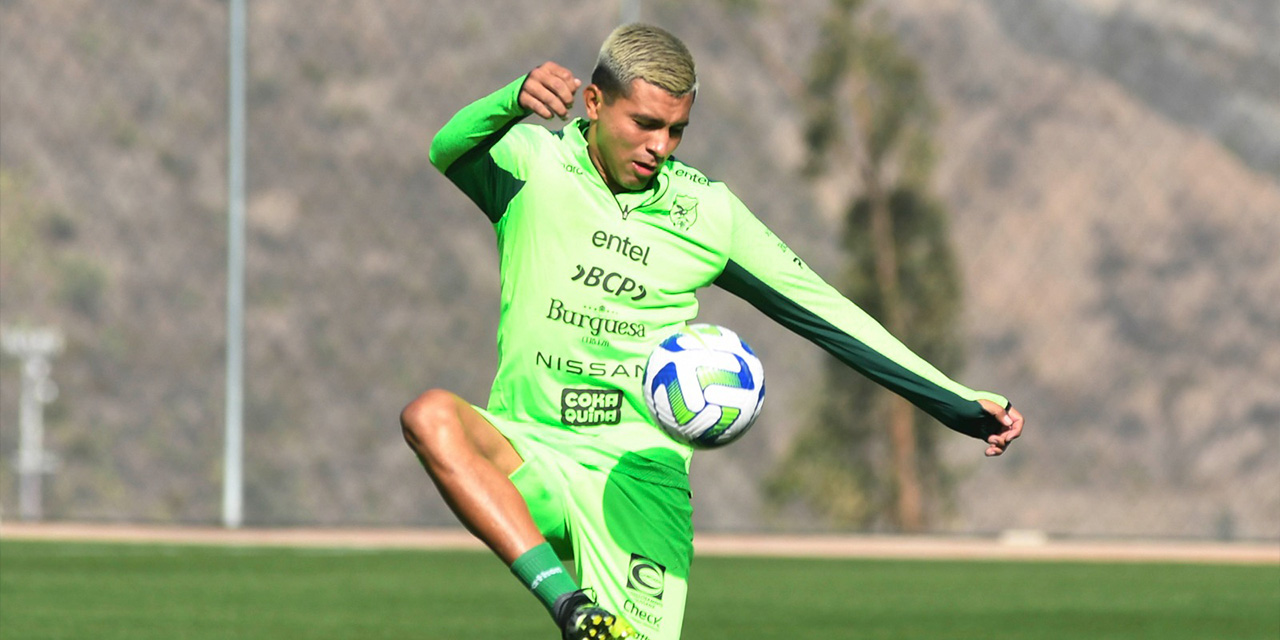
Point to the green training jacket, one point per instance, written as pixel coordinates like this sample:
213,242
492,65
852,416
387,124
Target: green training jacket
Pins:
591,282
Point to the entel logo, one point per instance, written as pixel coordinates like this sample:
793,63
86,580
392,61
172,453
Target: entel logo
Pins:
622,245
692,177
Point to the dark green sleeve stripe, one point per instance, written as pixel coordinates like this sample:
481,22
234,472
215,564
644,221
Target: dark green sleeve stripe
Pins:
965,416
488,185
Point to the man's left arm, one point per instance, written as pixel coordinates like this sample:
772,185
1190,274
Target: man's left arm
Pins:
763,271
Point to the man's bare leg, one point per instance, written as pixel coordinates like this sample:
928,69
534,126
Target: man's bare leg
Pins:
470,461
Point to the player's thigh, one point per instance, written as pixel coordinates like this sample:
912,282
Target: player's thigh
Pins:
485,437
541,477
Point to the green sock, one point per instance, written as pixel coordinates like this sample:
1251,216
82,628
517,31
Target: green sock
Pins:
542,572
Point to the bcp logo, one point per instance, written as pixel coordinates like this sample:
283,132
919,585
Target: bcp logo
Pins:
611,282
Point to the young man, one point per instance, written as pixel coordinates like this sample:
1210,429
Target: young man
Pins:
603,239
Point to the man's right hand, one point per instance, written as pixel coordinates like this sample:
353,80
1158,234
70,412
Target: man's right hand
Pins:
549,91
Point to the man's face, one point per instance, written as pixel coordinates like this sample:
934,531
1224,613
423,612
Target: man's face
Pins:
632,136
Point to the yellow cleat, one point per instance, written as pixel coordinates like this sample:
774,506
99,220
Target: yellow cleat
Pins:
583,619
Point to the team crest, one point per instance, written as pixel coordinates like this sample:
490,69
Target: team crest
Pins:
684,212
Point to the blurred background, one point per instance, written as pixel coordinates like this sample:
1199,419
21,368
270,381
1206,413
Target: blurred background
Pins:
1083,207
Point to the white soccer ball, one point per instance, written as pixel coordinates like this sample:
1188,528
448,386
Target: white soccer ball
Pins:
704,386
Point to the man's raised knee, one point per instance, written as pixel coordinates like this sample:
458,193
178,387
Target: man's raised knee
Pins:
424,419
443,429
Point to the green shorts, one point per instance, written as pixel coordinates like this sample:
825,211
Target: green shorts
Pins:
631,540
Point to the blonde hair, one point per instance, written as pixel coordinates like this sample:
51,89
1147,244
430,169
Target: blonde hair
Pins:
644,52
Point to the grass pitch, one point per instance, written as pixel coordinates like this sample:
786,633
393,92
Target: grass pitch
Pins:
116,591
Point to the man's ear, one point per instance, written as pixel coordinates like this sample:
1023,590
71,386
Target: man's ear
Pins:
592,99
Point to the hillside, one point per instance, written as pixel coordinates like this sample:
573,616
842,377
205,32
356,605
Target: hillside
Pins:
1143,331
1116,245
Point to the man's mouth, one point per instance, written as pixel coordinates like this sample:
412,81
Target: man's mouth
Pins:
645,170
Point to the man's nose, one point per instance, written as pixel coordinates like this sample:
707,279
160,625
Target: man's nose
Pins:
659,144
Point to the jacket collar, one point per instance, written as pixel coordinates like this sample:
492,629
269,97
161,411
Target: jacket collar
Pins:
575,135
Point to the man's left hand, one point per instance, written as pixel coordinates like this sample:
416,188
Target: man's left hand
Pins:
1011,421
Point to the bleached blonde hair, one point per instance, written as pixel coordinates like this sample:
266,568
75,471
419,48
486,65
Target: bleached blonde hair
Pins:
644,52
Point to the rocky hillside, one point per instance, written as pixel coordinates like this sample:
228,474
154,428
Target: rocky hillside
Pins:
1129,300
1111,167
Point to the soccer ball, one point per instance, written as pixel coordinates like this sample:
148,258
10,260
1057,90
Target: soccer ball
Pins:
704,386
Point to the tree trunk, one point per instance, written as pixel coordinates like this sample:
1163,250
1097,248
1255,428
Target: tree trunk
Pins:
902,436
901,427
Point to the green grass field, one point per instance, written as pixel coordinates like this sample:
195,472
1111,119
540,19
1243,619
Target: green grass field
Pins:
105,591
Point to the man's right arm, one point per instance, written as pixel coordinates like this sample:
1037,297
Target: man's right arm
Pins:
477,123
473,149
468,150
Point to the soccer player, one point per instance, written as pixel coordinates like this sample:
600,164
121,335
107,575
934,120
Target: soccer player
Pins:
603,239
